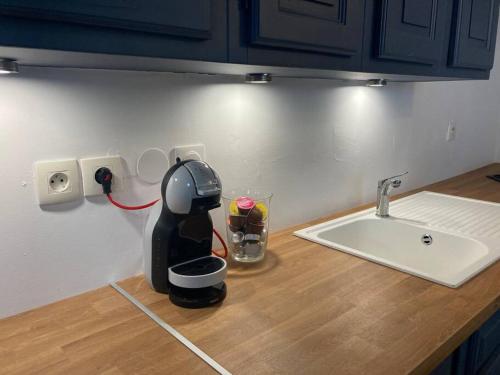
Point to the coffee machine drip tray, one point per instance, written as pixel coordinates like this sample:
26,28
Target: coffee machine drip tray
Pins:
198,273
198,282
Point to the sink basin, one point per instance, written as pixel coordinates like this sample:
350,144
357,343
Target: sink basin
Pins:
438,237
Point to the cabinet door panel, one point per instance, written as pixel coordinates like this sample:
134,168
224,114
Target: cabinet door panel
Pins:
326,26
411,30
492,367
188,29
456,363
487,345
187,18
474,34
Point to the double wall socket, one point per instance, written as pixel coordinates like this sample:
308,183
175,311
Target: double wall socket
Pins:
57,181
90,166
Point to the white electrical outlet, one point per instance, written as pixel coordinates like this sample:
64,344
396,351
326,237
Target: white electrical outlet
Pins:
451,133
57,181
90,166
195,152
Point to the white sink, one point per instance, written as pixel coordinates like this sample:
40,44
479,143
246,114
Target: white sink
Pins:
438,237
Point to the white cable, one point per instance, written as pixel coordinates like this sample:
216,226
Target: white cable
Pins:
188,344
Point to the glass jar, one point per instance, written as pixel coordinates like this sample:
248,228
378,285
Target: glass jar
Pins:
247,223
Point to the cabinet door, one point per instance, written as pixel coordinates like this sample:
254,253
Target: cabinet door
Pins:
188,18
118,26
474,34
411,30
325,26
456,363
485,353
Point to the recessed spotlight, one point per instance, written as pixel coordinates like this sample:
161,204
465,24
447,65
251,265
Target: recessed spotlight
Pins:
8,66
379,82
258,78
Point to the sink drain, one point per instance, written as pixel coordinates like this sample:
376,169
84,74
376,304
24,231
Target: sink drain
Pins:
426,239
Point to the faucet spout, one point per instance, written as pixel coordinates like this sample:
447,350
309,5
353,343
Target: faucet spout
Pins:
384,187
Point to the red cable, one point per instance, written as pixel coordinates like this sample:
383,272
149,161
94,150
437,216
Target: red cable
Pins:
130,208
223,245
147,205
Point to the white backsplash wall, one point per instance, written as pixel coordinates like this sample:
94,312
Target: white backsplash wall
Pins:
320,146
495,76
498,128
497,158
495,80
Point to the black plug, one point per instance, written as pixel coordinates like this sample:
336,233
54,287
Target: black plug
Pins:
104,176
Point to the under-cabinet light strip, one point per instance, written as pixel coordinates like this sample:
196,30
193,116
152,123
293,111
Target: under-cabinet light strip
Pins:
188,344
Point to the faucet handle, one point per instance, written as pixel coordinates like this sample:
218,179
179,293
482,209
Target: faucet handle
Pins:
398,175
396,182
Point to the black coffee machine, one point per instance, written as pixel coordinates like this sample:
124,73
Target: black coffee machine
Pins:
178,237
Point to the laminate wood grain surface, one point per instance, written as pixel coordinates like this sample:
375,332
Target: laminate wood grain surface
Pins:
99,332
306,309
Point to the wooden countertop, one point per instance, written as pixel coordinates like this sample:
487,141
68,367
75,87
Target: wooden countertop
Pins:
98,332
305,309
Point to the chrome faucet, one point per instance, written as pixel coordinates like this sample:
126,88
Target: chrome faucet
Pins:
384,186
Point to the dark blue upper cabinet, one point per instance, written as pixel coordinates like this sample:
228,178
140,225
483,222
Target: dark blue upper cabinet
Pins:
188,18
326,26
411,30
190,29
297,33
445,38
473,34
